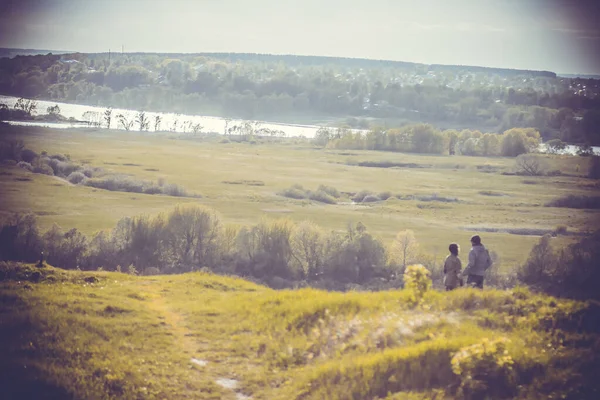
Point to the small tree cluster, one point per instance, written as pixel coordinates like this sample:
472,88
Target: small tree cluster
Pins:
193,237
571,272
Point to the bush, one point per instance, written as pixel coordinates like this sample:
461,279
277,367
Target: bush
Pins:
333,192
116,183
295,192
76,177
385,195
417,280
594,170
576,201
11,150
59,157
371,198
530,165
322,197
28,155
360,196
173,189
41,168
25,165
572,272
485,370
62,168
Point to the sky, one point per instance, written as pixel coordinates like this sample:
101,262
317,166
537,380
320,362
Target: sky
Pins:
562,36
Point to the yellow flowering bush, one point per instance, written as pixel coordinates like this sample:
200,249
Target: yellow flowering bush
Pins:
485,369
417,280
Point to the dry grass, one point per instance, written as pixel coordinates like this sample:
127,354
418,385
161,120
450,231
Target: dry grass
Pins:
210,168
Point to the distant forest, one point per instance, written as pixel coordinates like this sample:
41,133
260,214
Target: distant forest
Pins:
358,91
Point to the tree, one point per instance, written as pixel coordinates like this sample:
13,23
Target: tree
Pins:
530,164
555,146
519,141
53,110
108,117
125,123
157,121
405,248
308,248
142,121
28,106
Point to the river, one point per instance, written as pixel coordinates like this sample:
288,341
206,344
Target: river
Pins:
176,122
169,121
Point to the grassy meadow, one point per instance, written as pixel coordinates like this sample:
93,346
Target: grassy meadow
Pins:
242,181
89,335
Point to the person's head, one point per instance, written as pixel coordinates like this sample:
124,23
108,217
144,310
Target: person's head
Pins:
475,240
453,249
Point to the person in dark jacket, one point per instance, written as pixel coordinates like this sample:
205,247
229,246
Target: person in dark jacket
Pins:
452,268
479,262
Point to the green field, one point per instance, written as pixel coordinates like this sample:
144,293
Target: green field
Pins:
83,335
489,203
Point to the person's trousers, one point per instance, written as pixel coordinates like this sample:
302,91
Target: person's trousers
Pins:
475,281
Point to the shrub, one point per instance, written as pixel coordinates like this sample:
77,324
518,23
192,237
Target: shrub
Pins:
76,177
295,192
585,150
360,196
485,370
371,198
11,150
538,269
385,195
561,230
25,165
89,172
594,170
322,197
576,201
59,157
28,155
530,164
333,192
63,168
41,168
173,189
417,280
435,197
572,272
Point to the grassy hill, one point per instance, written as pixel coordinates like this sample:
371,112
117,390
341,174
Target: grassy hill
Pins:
85,335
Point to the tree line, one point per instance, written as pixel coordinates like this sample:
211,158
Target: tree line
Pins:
262,87
279,252
426,139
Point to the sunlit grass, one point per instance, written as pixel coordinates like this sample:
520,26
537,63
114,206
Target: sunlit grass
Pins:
207,168
134,337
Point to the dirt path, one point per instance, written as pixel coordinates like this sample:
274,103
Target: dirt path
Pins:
184,338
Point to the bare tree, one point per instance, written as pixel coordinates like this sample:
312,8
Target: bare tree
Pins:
142,121
108,117
125,123
405,247
157,121
529,164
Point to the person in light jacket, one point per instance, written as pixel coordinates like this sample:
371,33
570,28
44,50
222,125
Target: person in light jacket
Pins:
452,268
479,262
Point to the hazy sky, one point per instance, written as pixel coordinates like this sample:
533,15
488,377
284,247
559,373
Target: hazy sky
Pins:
557,35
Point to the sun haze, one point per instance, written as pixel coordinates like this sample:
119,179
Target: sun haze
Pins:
559,36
